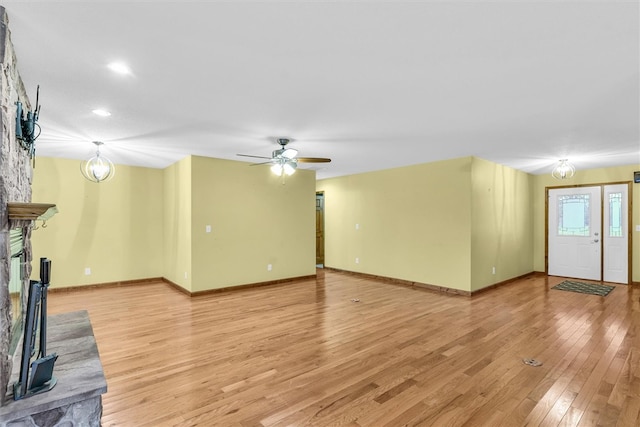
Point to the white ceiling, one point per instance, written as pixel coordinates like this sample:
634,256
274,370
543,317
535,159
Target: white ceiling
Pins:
372,85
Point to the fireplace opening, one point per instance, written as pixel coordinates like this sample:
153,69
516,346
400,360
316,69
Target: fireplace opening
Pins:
17,288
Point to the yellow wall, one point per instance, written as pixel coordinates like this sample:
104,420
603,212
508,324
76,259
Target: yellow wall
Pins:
149,223
502,221
414,223
177,212
255,221
114,228
582,177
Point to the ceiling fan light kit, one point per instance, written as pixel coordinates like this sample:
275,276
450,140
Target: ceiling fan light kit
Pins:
287,167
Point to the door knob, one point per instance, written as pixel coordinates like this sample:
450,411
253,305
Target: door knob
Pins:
595,241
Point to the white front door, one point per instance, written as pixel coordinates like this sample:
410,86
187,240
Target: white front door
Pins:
616,234
574,239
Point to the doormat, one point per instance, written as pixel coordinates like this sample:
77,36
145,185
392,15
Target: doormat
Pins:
584,288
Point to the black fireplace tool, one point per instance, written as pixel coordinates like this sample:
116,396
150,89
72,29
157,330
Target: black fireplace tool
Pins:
39,377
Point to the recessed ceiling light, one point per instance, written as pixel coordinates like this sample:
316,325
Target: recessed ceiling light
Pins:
101,113
119,67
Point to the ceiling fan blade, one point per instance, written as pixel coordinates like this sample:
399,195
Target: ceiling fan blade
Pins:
261,163
256,157
313,160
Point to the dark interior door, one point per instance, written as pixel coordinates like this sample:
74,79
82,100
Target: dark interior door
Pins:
319,228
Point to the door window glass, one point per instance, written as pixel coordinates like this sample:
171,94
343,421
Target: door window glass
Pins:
573,215
615,214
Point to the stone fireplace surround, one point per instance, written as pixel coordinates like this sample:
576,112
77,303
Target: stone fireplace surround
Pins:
76,399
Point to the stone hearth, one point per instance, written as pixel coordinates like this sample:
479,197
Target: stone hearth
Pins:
76,400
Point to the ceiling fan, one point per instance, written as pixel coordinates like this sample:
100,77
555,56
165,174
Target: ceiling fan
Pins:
285,160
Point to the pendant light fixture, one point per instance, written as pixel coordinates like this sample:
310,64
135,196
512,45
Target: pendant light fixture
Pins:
563,170
98,168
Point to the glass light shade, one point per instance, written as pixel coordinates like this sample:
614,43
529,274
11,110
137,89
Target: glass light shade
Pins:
563,170
290,168
277,169
98,169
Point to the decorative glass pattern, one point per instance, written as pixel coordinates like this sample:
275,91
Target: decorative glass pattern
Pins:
615,214
573,215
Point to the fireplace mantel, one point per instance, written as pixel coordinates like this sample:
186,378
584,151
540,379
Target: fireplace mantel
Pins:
32,211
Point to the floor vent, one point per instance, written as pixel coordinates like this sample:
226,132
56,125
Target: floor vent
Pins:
532,362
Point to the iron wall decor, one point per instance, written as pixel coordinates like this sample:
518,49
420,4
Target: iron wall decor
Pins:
27,128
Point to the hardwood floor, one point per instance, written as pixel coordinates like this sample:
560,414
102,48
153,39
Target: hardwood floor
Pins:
304,354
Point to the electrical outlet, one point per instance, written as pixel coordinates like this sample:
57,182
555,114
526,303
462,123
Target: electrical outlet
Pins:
637,227
185,274
357,226
269,267
87,271
357,260
493,270
207,229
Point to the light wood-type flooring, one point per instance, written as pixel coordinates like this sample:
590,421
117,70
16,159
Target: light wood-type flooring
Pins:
304,354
